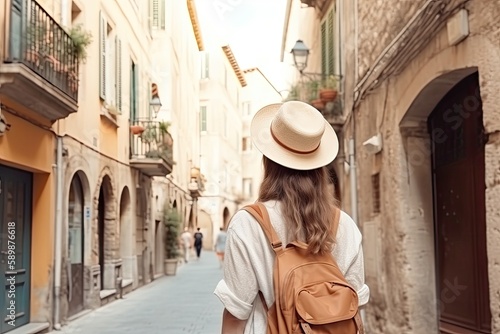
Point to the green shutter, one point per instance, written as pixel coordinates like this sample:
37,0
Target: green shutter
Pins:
330,43
118,73
324,48
102,56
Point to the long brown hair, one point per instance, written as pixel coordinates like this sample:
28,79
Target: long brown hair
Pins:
309,208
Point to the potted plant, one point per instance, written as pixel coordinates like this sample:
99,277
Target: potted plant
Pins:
172,220
166,137
312,94
149,135
136,129
81,39
328,91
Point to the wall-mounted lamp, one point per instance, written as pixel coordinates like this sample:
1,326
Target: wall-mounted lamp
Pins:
300,53
374,144
155,102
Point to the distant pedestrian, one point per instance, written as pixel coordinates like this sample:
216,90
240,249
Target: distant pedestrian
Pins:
187,243
220,246
198,242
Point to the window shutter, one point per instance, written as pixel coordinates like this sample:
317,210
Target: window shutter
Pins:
136,90
331,50
102,54
155,13
118,73
324,48
162,14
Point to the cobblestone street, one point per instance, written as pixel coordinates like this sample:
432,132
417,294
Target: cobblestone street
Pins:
184,303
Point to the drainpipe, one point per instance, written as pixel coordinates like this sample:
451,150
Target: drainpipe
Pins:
58,234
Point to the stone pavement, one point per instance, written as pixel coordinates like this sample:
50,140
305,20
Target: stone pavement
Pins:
184,303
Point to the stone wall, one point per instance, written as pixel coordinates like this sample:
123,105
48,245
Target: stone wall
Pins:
399,241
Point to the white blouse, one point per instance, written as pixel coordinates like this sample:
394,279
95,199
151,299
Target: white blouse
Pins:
249,260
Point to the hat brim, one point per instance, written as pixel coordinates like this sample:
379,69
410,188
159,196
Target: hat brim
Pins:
260,130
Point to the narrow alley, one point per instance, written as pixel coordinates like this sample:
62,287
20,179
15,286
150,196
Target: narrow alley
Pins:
184,303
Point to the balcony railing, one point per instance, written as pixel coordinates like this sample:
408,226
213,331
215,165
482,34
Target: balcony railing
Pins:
152,147
38,41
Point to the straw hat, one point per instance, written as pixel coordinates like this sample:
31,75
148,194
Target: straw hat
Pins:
295,135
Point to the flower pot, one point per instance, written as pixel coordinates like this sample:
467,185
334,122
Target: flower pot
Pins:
136,129
318,104
328,95
167,139
170,267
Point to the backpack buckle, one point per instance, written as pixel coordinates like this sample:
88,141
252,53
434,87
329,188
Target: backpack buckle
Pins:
279,244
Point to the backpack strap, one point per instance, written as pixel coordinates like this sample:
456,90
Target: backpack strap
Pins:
259,212
359,323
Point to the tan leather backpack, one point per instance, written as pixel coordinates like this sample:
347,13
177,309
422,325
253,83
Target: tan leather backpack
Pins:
311,294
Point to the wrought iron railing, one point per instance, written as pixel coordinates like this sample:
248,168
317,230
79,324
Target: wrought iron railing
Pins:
39,42
150,139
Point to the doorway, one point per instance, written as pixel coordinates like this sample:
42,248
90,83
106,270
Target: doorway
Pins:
15,244
75,246
458,175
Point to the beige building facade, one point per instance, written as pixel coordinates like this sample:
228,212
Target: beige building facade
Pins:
419,102
258,93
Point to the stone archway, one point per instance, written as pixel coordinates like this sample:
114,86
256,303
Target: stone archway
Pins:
78,220
207,228
125,231
140,235
106,247
419,149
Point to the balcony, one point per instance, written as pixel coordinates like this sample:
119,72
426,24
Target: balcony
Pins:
151,147
323,93
39,67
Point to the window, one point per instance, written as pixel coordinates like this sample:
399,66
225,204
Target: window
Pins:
134,84
157,14
376,192
203,118
328,44
205,68
247,144
110,64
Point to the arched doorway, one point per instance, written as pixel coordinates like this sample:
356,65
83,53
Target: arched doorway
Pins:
76,246
458,174
206,227
125,220
140,235
106,231
226,217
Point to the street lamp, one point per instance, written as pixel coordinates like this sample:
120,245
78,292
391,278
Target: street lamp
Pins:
300,54
155,103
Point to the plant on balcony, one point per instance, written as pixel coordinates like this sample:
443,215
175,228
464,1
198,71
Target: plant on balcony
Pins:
172,220
149,135
166,138
136,129
312,88
81,40
293,94
328,90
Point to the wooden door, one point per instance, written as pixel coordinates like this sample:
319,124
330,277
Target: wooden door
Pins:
15,245
457,139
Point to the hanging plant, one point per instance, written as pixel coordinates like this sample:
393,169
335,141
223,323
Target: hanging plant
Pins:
81,40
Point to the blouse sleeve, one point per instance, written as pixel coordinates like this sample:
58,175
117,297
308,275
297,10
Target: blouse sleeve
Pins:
350,257
239,287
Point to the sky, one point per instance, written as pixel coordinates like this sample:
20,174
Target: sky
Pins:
252,28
